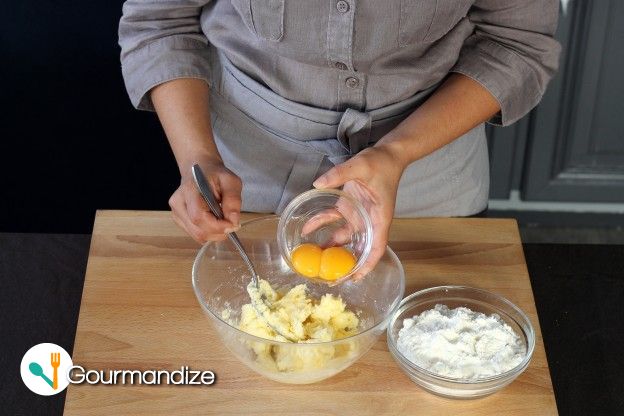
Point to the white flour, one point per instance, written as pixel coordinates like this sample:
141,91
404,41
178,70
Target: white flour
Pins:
460,343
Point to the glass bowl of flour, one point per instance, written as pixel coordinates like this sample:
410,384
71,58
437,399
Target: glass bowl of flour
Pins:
460,342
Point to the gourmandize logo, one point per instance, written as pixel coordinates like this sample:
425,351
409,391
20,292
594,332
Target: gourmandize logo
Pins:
44,369
55,361
48,369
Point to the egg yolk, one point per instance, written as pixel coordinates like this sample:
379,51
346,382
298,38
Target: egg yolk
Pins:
335,263
330,264
306,259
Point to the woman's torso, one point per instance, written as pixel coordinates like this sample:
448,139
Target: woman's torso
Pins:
339,54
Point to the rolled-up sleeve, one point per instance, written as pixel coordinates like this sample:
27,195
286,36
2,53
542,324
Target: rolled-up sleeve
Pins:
512,52
161,40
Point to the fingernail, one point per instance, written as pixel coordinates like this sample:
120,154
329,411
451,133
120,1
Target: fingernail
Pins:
235,218
232,229
319,182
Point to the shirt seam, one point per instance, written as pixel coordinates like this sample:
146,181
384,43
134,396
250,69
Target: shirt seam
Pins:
144,93
143,46
497,93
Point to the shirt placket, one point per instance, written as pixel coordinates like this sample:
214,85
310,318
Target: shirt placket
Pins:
340,54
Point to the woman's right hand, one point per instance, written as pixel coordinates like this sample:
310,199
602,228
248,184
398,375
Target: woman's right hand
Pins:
191,213
184,112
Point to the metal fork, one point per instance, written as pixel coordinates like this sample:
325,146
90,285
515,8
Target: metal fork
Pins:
206,192
55,361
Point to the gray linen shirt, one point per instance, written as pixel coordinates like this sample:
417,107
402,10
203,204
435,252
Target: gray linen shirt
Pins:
338,54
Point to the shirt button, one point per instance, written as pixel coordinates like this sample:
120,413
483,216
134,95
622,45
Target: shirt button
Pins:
352,82
342,6
341,65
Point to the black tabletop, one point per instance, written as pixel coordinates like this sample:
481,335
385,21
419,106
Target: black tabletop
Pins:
578,291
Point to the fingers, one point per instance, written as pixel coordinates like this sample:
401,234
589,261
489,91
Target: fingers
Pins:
377,252
231,187
200,215
381,228
179,213
369,178
201,225
191,212
341,236
337,176
195,232
317,221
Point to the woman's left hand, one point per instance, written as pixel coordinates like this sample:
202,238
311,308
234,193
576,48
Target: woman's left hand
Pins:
372,177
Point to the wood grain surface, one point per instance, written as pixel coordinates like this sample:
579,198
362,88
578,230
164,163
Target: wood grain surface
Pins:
139,311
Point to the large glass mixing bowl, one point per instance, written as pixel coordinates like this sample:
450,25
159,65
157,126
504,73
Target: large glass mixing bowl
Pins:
220,280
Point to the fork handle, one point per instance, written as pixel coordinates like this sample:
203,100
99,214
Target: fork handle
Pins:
55,378
213,204
206,192
237,244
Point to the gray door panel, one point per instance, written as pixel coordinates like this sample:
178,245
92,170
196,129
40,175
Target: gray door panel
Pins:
576,137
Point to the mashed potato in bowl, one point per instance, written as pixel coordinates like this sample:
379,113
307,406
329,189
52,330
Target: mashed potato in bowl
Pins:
301,318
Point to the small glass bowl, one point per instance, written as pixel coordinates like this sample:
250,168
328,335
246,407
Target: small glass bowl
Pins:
336,219
477,300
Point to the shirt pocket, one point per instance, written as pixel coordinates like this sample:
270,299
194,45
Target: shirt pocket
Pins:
425,21
264,18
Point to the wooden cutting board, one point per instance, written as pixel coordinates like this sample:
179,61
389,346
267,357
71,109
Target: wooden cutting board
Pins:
139,311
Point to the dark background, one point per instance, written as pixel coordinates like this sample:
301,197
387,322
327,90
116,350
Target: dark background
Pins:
70,141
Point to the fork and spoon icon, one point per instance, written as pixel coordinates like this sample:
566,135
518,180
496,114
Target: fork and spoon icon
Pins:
55,361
